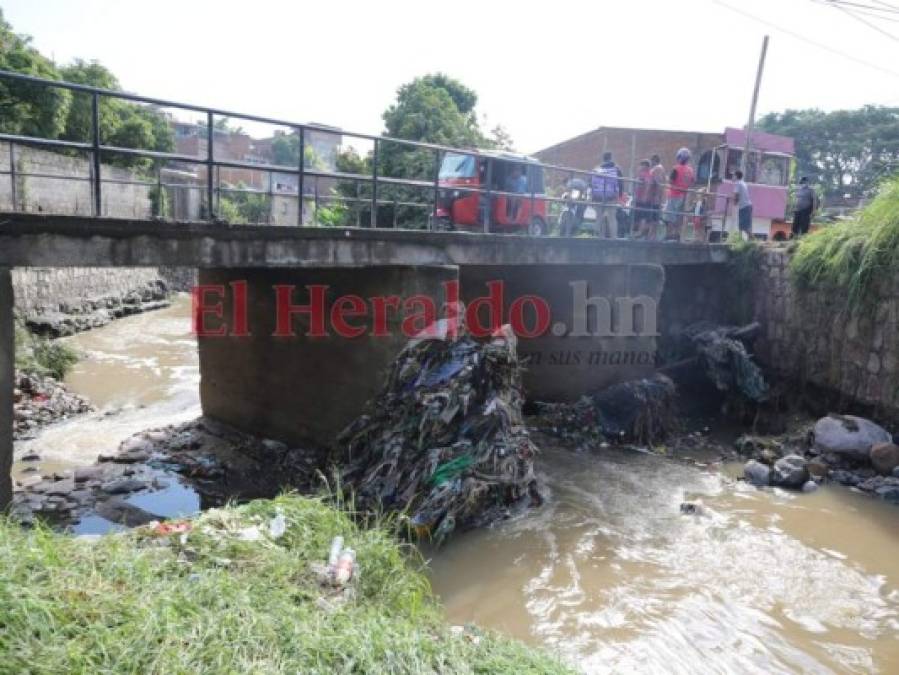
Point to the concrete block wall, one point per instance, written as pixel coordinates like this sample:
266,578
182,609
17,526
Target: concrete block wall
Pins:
48,194
40,289
814,336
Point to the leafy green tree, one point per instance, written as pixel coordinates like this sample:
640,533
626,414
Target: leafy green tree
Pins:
845,151
286,152
28,109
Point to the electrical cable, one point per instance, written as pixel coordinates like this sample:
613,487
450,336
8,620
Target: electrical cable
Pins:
799,36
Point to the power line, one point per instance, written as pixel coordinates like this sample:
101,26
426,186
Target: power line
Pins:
857,5
885,4
864,21
879,17
798,36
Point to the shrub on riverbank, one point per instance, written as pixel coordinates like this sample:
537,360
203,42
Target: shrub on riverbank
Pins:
216,603
42,356
855,254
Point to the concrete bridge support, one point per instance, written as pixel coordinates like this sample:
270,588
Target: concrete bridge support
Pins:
302,389
7,376
602,329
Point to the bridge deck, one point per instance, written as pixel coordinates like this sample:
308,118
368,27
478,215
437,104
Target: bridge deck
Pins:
76,241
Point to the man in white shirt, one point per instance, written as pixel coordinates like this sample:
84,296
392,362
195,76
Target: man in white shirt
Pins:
743,204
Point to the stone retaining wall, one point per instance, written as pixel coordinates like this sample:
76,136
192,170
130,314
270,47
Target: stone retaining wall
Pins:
813,336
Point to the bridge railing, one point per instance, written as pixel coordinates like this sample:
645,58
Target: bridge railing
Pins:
366,192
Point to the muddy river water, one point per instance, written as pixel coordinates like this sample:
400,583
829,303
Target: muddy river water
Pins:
607,574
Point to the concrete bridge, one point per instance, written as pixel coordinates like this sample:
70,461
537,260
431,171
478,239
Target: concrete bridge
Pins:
300,322
303,388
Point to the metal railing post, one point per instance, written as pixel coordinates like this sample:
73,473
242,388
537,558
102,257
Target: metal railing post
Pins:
159,206
432,221
374,185
210,141
301,176
12,175
395,207
95,133
488,212
315,212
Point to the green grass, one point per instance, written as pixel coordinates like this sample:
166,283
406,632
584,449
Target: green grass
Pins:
42,356
127,604
853,256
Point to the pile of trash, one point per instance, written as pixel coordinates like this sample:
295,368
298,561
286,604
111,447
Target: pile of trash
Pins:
641,412
721,353
444,441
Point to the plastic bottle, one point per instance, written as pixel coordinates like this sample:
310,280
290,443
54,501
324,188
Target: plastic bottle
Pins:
343,572
336,548
278,526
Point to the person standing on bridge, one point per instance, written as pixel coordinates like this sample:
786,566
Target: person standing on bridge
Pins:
643,200
681,179
606,190
743,204
806,201
656,193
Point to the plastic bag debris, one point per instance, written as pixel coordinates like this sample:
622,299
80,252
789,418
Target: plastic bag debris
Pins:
723,357
277,526
641,411
445,440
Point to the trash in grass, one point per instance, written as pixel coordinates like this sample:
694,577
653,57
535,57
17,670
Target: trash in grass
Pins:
343,570
444,440
277,526
334,554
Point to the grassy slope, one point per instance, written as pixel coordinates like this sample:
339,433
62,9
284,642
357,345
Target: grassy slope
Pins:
218,604
855,254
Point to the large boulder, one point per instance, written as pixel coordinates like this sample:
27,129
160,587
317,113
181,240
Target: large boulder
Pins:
848,436
757,473
885,457
790,472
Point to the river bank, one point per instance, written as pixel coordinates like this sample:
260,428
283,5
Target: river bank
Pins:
234,589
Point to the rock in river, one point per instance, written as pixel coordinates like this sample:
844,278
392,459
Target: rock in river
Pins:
757,473
790,472
123,485
885,457
848,435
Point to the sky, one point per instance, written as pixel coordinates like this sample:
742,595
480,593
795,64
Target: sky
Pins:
546,71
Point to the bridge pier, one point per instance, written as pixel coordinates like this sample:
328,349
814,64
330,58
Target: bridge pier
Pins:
603,324
301,389
7,383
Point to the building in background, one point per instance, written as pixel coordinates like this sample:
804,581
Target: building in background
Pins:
768,167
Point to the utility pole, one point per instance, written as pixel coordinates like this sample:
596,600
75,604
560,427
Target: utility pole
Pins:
747,146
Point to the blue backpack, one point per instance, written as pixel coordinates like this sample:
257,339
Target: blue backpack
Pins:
604,184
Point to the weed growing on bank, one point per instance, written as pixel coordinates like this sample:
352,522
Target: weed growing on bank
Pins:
743,264
216,603
853,255
42,356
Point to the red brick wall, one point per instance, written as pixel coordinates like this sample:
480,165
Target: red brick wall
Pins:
628,147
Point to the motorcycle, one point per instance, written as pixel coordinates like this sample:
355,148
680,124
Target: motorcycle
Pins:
575,197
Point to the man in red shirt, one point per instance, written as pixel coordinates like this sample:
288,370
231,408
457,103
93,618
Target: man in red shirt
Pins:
680,180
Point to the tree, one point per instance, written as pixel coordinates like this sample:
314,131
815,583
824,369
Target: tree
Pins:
846,151
286,152
122,123
434,108
29,109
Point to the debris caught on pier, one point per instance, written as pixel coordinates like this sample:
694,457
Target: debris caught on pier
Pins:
641,412
721,353
444,441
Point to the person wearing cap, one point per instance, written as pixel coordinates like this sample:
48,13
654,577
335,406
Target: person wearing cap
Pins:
805,206
680,180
